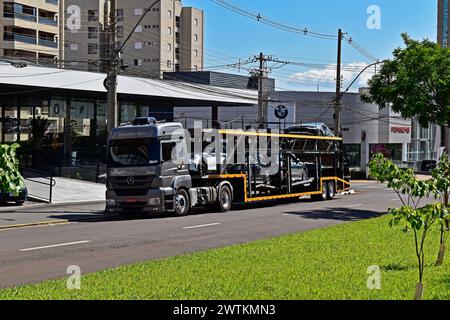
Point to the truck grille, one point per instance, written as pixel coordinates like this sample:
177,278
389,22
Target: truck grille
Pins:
140,186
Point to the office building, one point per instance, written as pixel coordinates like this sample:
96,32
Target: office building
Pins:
169,38
443,22
29,29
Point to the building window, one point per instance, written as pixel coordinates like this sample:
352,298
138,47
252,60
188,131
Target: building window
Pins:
92,33
169,14
195,37
92,48
138,12
119,31
169,30
353,154
169,63
92,15
196,22
195,53
195,68
137,62
119,14
74,47
138,45
138,29
169,47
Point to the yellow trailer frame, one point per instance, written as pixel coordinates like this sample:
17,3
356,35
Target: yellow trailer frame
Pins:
346,184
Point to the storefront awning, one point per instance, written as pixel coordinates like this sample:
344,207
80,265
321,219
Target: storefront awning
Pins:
42,77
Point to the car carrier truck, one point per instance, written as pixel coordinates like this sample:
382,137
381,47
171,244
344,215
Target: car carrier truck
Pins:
151,167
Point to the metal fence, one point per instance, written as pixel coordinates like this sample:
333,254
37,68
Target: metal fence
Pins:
85,172
40,184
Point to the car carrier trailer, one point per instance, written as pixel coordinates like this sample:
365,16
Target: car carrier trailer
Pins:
145,173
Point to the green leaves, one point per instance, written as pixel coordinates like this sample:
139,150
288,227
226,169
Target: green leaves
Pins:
415,82
418,219
403,181
10,177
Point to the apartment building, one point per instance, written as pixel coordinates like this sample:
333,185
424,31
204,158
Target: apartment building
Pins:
443,22
29,29
170,37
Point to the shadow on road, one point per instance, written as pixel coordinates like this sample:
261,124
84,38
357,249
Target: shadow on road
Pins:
340,214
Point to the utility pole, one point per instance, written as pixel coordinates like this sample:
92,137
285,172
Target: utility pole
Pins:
338,108
261,97
114,60
111,81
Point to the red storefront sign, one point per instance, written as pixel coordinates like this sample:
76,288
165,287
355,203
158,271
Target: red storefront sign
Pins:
401,130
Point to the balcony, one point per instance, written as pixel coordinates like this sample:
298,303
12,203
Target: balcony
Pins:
10,36
54,2
21,16
48,21
48,43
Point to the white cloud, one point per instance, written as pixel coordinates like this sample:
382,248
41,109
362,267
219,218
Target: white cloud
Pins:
326,76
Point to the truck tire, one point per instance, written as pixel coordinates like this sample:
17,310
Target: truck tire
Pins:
331,190
224,199
182,203
324,195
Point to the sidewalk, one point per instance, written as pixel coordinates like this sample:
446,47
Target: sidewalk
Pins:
35,214
68,191
68,196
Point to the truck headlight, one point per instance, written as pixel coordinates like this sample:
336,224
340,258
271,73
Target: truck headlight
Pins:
154,202
110,203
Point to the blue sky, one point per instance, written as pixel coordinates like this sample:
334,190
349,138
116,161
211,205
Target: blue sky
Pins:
229,36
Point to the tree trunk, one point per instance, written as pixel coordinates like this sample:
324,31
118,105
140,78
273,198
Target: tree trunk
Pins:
419,291
440,259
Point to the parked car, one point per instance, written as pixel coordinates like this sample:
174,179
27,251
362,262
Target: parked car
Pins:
314,129
18,199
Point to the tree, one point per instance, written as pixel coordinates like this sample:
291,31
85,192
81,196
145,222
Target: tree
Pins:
410,216
441,180
415,83
10,178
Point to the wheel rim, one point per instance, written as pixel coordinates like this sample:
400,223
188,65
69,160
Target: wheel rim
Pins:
324,191
180,203
225,200
331,191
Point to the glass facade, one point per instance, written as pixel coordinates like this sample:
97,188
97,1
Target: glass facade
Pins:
423,141
40,126
353,154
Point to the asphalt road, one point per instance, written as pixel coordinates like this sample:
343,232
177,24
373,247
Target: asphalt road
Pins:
30,255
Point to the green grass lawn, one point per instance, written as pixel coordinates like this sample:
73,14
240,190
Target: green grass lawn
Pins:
328,263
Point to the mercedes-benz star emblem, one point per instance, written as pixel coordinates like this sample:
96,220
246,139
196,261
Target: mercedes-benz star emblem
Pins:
130,181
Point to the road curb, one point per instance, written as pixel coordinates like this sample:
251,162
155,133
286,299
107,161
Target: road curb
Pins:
51,205
34,224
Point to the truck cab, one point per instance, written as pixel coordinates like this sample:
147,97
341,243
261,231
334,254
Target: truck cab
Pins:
142,174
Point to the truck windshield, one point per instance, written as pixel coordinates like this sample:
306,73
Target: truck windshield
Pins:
133,153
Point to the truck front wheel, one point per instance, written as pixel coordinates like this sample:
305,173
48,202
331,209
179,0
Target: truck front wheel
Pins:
182,203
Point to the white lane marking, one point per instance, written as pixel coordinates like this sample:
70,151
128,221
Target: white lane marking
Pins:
354,206
202,226
388,189
56,245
